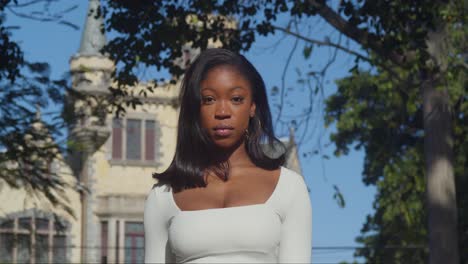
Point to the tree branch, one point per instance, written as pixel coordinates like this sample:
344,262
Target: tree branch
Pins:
283,80
322,43
56,17
337,46
366,39
33,2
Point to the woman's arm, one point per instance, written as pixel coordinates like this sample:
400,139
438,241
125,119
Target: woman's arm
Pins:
156,224
296,230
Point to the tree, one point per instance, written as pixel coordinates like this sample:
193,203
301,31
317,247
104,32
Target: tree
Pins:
385,119
28,141
396,35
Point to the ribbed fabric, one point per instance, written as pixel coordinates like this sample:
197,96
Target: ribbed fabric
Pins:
277,231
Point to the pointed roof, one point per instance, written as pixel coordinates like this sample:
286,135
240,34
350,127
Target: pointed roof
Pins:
289,148
37,124
292,156
93,38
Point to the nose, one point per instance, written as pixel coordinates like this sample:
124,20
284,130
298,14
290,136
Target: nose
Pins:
222,110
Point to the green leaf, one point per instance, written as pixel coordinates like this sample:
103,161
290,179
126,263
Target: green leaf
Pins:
338,196
307,51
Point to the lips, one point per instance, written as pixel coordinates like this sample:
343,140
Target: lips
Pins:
223,130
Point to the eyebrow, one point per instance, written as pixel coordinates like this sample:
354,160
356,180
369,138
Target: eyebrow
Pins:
230,89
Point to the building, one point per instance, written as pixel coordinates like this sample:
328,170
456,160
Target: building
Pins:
112,171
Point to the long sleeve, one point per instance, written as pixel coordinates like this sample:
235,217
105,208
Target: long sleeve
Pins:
296,231
156,217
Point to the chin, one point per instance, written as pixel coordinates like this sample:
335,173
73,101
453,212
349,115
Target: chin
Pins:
227,143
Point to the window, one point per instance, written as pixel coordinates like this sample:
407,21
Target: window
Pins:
150,141
134,139
32,240
117,138
134,242
117,244
104,233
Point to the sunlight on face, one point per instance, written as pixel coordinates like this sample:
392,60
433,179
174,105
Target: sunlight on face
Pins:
226,105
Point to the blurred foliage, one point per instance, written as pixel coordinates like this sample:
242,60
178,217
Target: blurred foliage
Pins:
383,116
155,33
29,140
371,115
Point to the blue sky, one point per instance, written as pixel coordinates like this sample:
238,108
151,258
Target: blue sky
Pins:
332,226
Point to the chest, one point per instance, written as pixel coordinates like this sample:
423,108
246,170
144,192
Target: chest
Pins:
252,228
240,190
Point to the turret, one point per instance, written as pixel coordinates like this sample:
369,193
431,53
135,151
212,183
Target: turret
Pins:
88,101
91,78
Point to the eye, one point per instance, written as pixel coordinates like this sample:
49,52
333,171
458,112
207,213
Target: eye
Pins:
207,100
238,99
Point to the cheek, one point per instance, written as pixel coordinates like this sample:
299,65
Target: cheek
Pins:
204,117
244,117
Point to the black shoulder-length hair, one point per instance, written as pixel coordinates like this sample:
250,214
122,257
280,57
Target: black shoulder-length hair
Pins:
194,155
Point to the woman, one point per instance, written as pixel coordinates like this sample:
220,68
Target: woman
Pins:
222,199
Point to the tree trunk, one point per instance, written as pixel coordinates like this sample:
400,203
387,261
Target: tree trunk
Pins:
440,193
438,138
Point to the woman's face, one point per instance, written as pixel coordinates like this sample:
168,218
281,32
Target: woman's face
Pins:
226,105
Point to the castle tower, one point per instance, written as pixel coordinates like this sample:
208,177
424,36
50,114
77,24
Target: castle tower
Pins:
91,73
114,158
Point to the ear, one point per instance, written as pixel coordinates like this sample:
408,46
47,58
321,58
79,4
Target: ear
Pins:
252,109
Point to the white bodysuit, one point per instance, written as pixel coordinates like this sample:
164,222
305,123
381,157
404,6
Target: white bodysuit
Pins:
277,231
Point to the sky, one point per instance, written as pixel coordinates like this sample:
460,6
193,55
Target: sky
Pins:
332,226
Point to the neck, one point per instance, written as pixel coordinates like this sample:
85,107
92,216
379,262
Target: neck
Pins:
235,156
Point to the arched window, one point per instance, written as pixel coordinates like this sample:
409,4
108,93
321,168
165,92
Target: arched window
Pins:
32,239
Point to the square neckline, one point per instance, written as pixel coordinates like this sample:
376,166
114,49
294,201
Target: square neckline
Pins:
275,190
